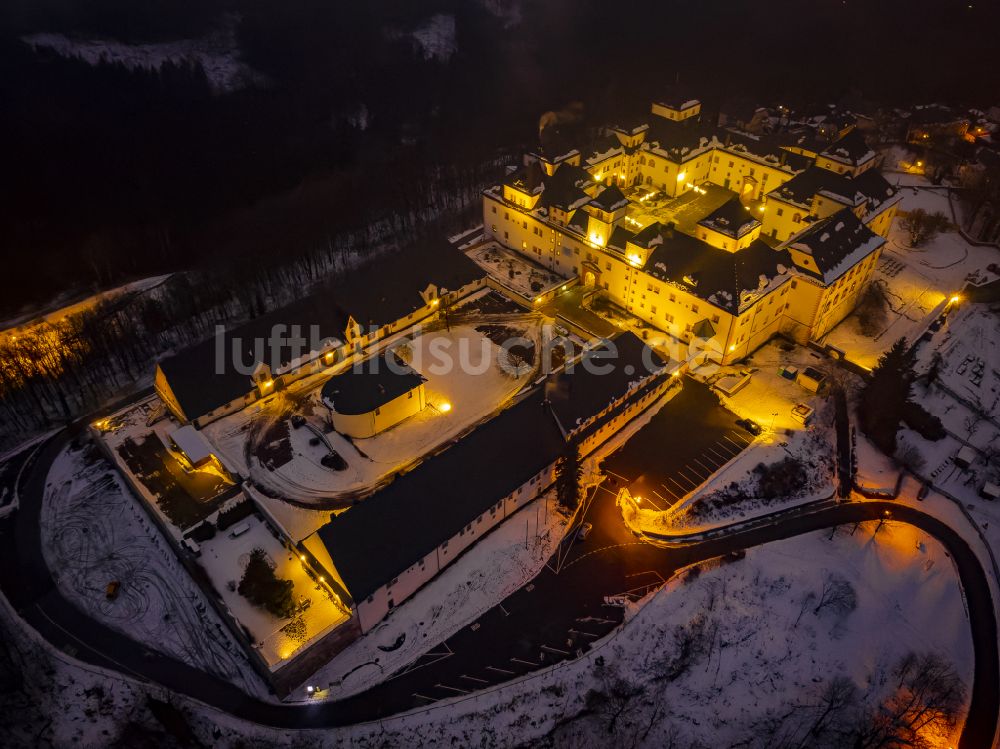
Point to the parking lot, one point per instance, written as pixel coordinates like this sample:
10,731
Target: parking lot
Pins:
691,438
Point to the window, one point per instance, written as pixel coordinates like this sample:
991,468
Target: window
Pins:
378,411
673,298
781,212
506,215
694,308
669,318
607,266
409,394
715,318
794,283
652,309
797,218
494,209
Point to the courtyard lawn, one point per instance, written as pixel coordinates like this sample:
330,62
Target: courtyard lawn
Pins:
224,558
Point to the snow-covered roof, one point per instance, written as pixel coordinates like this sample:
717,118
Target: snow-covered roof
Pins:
192,443
836,245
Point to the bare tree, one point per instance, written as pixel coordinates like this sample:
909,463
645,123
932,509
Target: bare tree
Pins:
923,226
928,701
837,595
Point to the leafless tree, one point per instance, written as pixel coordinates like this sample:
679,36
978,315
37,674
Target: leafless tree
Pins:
837,596
923,226
927,701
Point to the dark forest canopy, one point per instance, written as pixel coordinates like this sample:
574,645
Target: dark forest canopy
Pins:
114,173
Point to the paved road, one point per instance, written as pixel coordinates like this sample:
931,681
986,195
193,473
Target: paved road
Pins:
564,603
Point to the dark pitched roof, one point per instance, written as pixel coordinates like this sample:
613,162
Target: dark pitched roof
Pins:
801,188
564,188
576,396
851,149
388,288
719,277
703,328
766,148
936,114
610,199
836,244
601,148
201,386
679,140
874,187
731,218
579,222
386,534
369,294
647,237
392,530
375,382
526,179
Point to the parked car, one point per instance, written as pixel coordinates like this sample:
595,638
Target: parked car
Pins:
750,425
298,420
585,530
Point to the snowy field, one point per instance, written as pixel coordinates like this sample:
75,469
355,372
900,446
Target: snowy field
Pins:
218,53
742,654
458,397
917,282
93,533
277,639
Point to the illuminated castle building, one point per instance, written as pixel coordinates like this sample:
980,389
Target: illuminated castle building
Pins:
701,231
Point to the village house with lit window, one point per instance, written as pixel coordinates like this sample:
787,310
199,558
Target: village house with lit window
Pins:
692,227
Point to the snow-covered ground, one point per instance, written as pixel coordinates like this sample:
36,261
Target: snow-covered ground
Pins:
218,53
224,558
513,271
494,568
918,283
769,398
93,533
457,396
759,655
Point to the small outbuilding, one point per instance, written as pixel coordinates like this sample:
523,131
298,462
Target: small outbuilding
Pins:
811,379
990,491
965,457
192,445
374,396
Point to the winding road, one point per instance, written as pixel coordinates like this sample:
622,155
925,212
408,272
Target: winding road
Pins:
611,561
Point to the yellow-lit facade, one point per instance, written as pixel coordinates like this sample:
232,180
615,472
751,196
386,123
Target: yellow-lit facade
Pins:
798,305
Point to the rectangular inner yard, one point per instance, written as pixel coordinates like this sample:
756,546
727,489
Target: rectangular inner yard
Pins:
276,637
465,385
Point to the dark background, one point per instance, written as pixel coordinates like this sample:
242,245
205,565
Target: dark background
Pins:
110,174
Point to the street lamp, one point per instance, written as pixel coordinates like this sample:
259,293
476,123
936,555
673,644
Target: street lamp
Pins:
885,516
